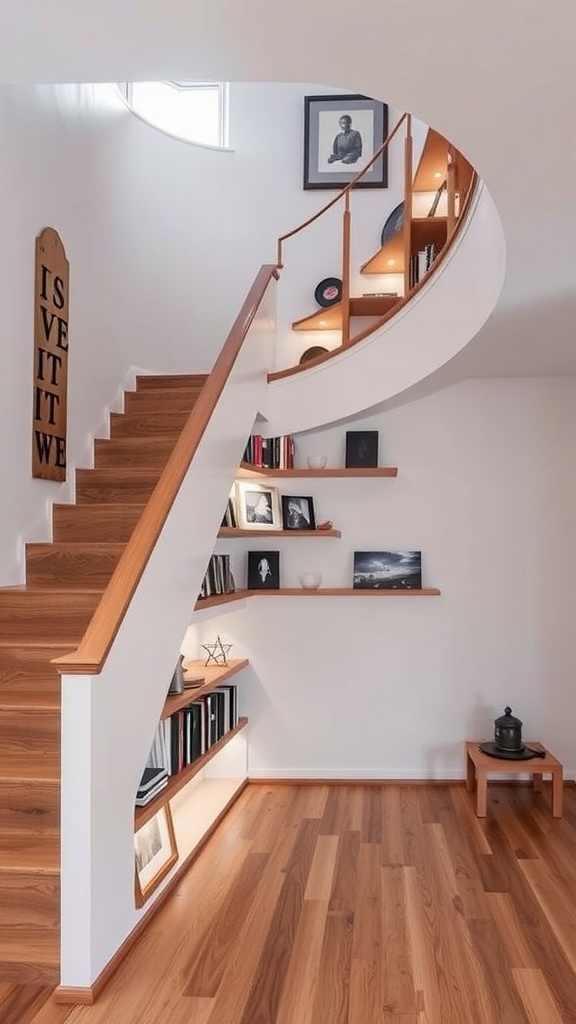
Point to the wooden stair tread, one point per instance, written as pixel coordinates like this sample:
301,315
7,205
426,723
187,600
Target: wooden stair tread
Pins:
29,767
170,381
29,853
29,700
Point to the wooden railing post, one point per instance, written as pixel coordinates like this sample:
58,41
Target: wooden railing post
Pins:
346,272
408,180
451,185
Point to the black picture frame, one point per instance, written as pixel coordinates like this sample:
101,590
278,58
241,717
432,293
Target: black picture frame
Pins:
361,449
387,570
298,512
367,129
263,570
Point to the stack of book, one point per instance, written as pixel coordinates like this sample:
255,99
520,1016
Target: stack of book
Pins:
152,782
270,452
190,732
218,578
421,262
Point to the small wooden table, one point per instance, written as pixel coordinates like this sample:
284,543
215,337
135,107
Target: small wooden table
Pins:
479,766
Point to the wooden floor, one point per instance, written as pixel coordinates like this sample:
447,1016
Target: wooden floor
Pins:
358,905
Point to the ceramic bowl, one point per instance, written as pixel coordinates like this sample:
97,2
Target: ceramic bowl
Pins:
311,580
317,461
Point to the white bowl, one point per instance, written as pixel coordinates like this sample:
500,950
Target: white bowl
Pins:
311,580
317,461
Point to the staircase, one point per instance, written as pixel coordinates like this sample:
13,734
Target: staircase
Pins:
44,619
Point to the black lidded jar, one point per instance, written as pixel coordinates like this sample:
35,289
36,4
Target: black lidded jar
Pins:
508,732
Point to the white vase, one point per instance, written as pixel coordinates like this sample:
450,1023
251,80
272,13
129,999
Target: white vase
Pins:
311,580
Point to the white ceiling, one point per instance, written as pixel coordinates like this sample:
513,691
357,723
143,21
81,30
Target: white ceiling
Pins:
497,78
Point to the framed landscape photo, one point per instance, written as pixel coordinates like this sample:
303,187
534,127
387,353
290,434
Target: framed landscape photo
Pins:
297,513
263,570
257,506
361,449
341,134
155,852
387,570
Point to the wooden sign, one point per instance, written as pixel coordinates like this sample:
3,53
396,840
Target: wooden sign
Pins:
51,305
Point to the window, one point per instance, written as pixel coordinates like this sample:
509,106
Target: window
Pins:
193,111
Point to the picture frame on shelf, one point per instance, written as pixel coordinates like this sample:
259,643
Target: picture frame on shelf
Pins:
298,512
263,570
341,134
387,570
361,449
155,853
257,506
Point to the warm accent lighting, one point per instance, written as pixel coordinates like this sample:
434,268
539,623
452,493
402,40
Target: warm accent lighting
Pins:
437,174
391,263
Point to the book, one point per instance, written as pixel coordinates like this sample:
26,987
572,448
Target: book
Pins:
150,777
145,798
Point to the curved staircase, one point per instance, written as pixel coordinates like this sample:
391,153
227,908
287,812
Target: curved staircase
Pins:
41,621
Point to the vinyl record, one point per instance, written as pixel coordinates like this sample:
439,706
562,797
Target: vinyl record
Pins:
328,291
311,353
393,225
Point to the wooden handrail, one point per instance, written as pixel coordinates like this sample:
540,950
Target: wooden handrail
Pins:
343,192
93,649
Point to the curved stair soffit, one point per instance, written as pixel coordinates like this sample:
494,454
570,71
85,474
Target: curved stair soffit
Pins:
437,322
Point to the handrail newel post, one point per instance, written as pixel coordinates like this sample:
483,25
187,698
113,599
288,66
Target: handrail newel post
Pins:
408,178
346,272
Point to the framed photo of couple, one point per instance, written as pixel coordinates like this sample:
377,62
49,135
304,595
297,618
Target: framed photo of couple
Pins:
341,134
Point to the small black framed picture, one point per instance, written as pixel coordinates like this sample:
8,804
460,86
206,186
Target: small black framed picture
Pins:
263,570
361,449
297,513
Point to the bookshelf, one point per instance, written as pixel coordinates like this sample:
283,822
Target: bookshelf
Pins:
201,792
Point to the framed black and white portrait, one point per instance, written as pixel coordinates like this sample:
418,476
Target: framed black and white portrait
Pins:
341,134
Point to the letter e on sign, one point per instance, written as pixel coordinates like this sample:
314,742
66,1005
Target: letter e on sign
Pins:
50,390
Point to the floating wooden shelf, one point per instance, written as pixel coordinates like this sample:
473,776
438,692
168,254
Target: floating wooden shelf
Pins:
346,592
250,472
389,259
232,531
330,319
176,782
216,599
213,676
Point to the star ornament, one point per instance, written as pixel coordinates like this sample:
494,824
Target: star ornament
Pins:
217,652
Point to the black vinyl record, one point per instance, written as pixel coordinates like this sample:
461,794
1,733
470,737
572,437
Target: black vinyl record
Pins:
393,225
328,292
311,353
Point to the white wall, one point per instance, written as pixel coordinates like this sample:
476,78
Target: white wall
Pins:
390,687
163,239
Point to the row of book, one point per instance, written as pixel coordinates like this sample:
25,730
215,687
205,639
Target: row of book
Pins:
270,452
421,262
191,731
218,578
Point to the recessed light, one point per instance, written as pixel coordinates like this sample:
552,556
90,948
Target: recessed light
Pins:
391,263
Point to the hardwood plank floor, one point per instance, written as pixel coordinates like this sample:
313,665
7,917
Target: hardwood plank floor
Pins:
357,905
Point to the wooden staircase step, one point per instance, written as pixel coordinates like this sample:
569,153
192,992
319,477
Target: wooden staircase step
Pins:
46,613
29,898
27,668
147,424
134,451
97,523
122,484
158,401
27,853
90,564
29,959
170,381
26,730
30,805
